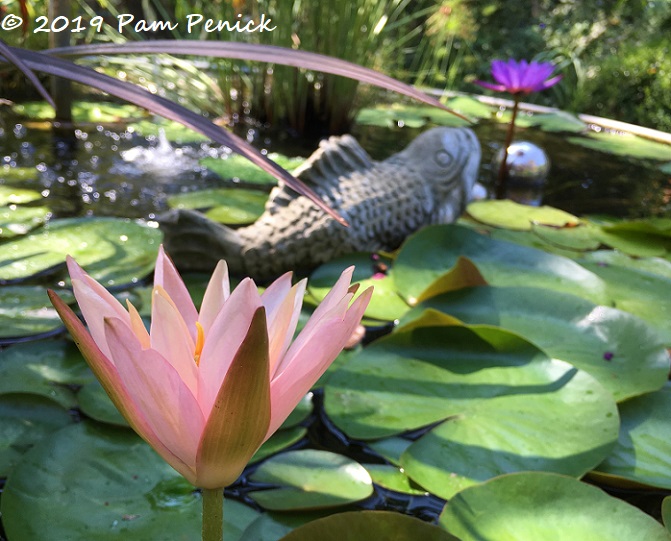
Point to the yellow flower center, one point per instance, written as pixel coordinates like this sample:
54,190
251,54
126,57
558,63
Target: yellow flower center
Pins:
200,340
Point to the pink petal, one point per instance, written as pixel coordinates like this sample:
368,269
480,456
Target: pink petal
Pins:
218,290
283,307
223,340
166,276
137,325
491,86
155,387
107,374
311,354
241,414
95,303
171,339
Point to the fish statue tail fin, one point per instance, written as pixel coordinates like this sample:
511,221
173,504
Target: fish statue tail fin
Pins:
196,243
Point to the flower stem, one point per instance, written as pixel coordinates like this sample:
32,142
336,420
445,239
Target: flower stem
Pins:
213,514
502,178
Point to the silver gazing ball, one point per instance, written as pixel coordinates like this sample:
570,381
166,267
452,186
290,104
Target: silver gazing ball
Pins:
528,167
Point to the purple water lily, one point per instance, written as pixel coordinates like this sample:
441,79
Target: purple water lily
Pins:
521,77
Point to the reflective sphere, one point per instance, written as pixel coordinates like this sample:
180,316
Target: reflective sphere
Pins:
528,167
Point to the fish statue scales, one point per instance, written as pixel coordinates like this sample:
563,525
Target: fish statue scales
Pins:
429,182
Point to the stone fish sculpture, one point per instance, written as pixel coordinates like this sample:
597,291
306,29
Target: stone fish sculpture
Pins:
429,182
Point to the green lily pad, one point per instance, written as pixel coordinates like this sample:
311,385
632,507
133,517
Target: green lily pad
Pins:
666,512
392,478
310,479
82,111
274,526
470,106
535,506
16,174
428,254
174,131
583,237
506,405
236,166
94,402
621,351
227,205
367,525
635,243
15,221
26,420
113,251
26,311
279,441
44,368
639,286
96,482
386,304
559,121
643,451
627,145
391,449
463,274
390,116
16,196
511,215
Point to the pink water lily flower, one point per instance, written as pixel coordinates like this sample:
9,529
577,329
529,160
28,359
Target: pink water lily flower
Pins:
521,77
206,389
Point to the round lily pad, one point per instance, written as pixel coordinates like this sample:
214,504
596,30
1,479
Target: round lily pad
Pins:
82,111
511,215
15,221
392,478
559,121
367,525
96,482
26,420
94,402
582,237
279,441
226,205
666,512
310,479
431,252
625,354
506,405
26,311
47,368
630,146
643,451
236,166
16,196
386,303
173,131
113,251
535,506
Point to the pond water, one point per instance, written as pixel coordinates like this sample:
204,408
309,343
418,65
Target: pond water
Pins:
86,173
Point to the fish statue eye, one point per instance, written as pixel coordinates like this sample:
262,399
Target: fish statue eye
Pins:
443,158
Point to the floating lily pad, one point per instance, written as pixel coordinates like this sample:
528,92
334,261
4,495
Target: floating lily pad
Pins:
470,106
310,479
627,145
82,111
643,451
15,221
506,406
13,174
90,482
431,252
279,441
639,286
620,350
391,449
174,131
635,243
114,251
26,420
666,512
393,478
583,237
17,196
227,205
94,402
389,117
512,215
559,121
368,525
386,303
26,311
535,506
236,166
45,368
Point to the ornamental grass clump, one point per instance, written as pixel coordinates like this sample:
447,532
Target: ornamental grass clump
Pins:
206,388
